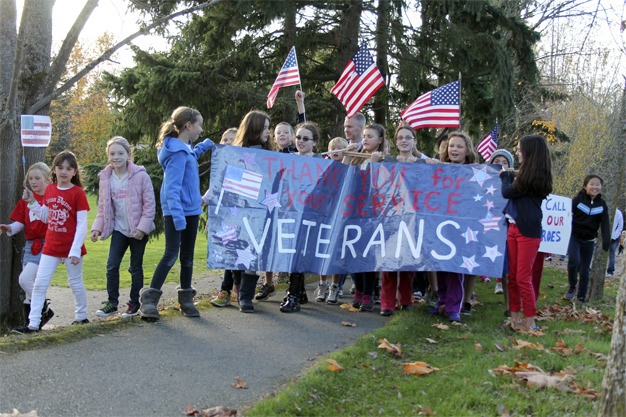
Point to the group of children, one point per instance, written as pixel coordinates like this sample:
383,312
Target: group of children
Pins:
53,215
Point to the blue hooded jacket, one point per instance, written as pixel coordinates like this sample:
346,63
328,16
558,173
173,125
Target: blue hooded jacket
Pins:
180,191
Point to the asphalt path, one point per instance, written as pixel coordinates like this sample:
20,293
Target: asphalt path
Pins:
157,369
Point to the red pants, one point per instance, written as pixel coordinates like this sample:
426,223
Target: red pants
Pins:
522,252
537,271
396,282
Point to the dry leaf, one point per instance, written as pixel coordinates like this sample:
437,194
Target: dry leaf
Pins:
478,346
429,340
579,348
426,411
499,347
333,365
348,324
417,368
16,413
523,344
394,349
240,383
599,356
349,307
441,326
219,411
190,410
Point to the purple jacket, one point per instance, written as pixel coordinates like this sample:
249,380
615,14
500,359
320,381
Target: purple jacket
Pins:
140,204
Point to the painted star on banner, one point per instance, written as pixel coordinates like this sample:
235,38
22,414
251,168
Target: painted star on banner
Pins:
227,234
248,160
480,176
469,263
490,190
245,257
271,201
234,211
477,198
488,204
490,222
470,235
492,253
218,256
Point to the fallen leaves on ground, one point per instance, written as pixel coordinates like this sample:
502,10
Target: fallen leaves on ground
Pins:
16,413
333,365
535,377
426,411
349,307
429,340
441,326
478,346
569,312
392,348
240,383
348,324
219,411
417,368
562,349
523,344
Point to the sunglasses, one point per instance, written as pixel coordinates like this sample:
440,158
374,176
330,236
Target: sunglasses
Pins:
304,138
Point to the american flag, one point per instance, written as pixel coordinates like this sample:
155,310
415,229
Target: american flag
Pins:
242,182
358,82
288,75
489,143
437,108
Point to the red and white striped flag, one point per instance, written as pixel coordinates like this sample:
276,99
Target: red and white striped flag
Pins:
489,143
358,82
242,182
437,108
288,75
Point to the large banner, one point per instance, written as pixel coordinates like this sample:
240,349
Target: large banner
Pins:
556,224
271,211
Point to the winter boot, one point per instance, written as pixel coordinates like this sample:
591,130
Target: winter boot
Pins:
185,299
26,314
148,300
46,313
247,288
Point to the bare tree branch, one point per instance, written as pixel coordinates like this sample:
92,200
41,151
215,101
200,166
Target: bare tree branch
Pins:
107,54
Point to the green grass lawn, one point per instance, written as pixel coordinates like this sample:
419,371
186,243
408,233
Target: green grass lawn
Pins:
94,265
372,381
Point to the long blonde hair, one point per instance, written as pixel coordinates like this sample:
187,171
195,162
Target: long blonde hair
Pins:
174,125
43,169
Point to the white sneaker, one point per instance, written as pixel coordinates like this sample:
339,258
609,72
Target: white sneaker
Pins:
333,295
498,289
321,292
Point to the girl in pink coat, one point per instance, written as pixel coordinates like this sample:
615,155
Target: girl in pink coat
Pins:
126,209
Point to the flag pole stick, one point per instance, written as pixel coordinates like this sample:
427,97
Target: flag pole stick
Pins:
460,107
219,201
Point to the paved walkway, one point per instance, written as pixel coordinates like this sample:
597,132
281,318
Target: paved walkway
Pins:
159,369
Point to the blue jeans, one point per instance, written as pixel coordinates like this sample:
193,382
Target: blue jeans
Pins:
117,250
612,251
183,241
579,253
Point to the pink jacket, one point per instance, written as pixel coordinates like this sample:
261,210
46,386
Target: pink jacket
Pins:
140,204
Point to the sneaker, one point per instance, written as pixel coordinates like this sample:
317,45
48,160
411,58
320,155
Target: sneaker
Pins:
265,292
386,313
131,311
291,305
352,289
107,310
485,278
569,295
46,314
333,295
246,306
24,330
499,289
367,303
83,321
466,309
609,275
340,293
321,292
222,299
454,317
418,295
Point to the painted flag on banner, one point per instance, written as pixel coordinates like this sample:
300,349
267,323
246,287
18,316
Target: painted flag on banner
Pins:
358,82
36,130
242,182
489,143
288,75
437,108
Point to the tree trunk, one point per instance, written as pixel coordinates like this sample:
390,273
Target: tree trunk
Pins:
598,270
613,399
381,99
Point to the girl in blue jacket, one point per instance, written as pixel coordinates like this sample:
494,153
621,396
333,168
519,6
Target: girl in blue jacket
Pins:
181,203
